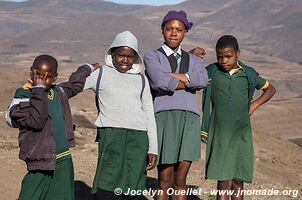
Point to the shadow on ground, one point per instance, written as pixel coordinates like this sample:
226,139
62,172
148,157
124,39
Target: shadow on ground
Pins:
83,191
153,182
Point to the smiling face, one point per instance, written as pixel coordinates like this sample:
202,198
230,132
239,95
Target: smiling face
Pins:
227,58
174,32
123,58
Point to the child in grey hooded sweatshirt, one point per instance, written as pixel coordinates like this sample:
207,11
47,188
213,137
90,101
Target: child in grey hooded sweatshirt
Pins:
126,124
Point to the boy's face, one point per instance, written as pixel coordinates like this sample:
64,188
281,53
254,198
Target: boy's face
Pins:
43,74
123,58
174,32
227,58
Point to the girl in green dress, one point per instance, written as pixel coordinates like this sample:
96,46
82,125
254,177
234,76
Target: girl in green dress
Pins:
227,107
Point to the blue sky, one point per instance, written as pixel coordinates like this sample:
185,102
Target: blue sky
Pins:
145,2
14,0
148,2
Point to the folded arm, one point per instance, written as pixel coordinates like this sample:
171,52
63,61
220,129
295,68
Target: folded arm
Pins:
183,80
159,79
198,75
29,112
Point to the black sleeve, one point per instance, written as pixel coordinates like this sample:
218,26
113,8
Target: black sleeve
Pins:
33,113
76,81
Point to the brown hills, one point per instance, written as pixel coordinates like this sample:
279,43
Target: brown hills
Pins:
77,31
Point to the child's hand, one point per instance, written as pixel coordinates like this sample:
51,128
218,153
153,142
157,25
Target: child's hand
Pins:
96,65
198,51
182,77
38,79
151,161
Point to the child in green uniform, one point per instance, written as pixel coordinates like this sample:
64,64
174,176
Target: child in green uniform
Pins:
227,107
41,111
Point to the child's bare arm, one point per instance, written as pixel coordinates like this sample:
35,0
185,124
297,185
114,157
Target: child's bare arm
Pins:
267,94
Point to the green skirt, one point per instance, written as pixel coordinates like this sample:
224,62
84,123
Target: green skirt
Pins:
122,160
50,185
178,136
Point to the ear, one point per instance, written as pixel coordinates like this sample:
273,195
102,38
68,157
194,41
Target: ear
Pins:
238,53
55,78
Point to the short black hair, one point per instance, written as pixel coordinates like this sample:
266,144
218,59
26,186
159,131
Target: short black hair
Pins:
45,59
227,41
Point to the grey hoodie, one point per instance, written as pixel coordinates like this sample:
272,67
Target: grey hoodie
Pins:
120,103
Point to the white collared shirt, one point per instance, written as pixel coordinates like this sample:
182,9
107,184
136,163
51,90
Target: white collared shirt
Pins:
169,51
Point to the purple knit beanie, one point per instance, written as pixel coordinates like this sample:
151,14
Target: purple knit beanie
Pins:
179,15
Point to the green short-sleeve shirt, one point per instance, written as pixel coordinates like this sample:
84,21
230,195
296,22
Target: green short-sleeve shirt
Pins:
260,82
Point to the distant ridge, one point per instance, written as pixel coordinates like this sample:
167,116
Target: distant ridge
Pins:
268,27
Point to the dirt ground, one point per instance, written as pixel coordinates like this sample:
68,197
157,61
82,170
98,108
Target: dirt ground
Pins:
278,166
278,162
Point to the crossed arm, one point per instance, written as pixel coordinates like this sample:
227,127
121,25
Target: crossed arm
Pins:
163,80
183,80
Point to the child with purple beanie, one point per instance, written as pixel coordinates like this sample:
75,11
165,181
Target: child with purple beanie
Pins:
175,76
